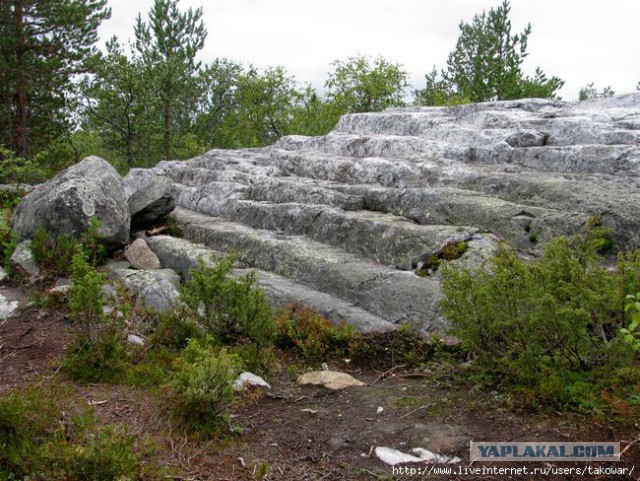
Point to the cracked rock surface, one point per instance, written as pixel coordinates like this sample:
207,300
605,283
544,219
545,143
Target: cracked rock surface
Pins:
353,215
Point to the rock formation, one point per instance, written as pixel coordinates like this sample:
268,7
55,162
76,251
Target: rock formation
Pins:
354,215
67,203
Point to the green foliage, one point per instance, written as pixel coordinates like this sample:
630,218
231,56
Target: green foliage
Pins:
550,322
361,84
168,45
116,100
44,44
228,307
313,335
86,299
40,440
631,333
15,169
404,345
9,200
175,328
98,353
55,255
590,92
451,251
202,384
438,92
487,65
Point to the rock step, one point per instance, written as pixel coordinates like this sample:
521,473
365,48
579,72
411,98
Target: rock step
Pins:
513,207
491,126
384,292
271,189
450,206
182,255
384,238
587,158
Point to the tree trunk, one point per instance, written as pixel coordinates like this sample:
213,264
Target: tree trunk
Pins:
22,144
167,123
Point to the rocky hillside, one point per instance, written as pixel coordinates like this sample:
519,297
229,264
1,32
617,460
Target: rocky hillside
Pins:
353,221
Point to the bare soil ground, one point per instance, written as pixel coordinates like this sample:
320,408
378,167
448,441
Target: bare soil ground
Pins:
310,433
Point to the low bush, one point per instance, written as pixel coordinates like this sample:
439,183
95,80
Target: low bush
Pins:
232,309
314,336
41,440
202,384
549,326
98,353
54,255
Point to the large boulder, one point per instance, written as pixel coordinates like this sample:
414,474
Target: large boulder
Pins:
150,197
67,203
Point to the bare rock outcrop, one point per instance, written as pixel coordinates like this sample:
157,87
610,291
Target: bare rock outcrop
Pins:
357,214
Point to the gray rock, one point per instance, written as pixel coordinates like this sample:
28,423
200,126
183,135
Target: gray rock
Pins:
247,379
22,260
140,256
182,256
342,221
62,287
155,290
110,294
135,340
149,195
67,203
7,308
3,274
330,379
112,265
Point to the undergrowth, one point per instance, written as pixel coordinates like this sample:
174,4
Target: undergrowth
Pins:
43,439
550,329
54,255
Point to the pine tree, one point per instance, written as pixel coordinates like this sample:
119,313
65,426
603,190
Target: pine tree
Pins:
168,45
43,44
487,65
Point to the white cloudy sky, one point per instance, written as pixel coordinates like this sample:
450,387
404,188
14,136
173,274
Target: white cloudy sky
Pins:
580,41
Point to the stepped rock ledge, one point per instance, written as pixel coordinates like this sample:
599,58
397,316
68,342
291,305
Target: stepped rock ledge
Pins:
345,221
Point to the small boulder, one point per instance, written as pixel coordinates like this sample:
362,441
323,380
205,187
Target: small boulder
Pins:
22,260
63,286
67,203
329,379
149,195
135,340
140,256
7,308
155,289
247,379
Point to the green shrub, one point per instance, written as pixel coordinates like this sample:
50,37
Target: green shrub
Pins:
103,359
54,255
547,325
403,345
313,335
86,298
175,328
631,333
41,440
98,353
228,307
202,383
15,170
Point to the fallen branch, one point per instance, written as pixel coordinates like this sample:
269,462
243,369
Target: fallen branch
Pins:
415,411
628,446
386,373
